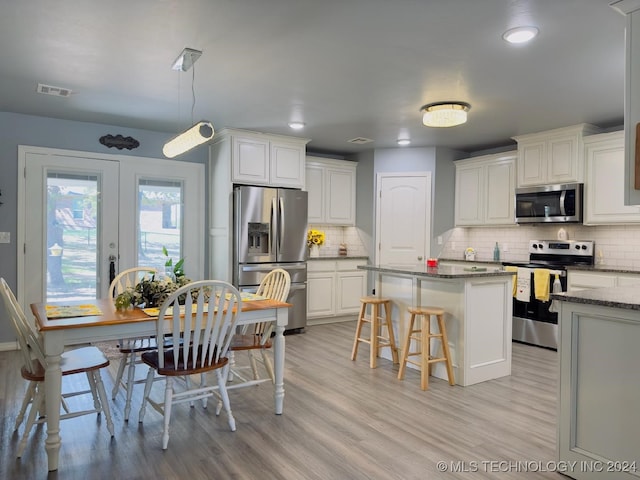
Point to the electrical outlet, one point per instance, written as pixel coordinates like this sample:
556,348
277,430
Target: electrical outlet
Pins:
505,247
439,239
5,237
453,245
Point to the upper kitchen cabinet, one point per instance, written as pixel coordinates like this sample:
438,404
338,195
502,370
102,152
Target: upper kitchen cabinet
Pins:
604,186
262,159
631,8
332,191
485,190
554,156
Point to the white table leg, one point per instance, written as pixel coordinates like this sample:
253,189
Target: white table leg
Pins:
53,393
278,353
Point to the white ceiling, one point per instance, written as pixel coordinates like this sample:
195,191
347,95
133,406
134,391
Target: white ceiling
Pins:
348,68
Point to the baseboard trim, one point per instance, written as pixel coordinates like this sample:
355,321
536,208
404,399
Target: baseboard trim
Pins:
325,320
8,346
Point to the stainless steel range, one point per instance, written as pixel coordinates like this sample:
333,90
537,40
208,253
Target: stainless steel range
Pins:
533,322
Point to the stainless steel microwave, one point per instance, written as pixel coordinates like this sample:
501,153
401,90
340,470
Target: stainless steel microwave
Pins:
550,204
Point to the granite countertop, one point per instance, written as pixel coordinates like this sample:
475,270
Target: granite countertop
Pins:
337,257
586,268
617,297
487,261
605,268
442,271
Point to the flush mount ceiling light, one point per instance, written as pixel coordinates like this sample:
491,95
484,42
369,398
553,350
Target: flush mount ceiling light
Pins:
520,34
201,131
444,114
403,142
196,135
296,125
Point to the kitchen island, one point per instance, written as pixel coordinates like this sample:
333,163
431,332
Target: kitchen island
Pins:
599,382
478,304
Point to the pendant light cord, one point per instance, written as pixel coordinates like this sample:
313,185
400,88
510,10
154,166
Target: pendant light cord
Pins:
193,91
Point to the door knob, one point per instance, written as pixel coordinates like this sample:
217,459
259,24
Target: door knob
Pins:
420,258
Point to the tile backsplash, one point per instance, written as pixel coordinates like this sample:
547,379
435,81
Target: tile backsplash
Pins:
615,245
335,235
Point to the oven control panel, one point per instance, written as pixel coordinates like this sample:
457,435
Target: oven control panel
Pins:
562,247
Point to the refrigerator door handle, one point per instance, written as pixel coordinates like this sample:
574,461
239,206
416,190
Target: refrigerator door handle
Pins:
272,232
280,223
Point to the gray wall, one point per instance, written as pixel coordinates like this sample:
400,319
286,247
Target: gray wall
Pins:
29,130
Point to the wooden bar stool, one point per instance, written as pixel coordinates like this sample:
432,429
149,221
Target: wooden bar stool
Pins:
422,335
376,340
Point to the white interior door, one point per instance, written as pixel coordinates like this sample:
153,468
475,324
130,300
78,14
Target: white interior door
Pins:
403,223
83,217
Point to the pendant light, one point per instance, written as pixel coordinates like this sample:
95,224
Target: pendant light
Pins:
201,131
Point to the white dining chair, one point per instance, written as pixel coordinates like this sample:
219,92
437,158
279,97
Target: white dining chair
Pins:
87,360
200,333
130,348
257,337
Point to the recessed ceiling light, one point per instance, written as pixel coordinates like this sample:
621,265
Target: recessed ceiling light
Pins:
297,125
403,142
520,34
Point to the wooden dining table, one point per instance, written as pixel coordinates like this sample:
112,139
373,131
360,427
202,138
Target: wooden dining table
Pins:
114,324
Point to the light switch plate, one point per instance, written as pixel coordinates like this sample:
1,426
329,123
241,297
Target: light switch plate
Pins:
5,237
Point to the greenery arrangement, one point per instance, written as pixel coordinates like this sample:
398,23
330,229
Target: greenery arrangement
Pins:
152,291
315,237
177,269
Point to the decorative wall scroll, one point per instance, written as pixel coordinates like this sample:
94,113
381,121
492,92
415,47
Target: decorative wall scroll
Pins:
119,142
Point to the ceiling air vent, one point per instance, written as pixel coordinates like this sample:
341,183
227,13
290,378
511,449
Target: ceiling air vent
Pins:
55,91
360,140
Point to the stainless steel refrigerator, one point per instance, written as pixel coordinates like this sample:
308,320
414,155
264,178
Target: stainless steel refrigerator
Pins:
270,231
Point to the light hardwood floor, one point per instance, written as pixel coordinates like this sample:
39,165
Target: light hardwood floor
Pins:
342,420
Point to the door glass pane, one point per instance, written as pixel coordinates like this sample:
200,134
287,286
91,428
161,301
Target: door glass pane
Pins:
159,223
72,232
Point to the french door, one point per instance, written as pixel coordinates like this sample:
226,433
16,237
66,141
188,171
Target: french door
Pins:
83,217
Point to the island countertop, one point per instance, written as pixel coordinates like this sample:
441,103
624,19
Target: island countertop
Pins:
441,271
617,297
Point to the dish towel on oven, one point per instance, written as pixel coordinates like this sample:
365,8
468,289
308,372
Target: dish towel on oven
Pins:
523,286
509,268
557,288
541,283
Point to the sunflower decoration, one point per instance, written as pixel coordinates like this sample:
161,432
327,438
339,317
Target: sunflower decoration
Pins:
315,237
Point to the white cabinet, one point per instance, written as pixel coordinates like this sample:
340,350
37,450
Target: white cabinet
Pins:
334,287
332,191
485,190
582,280
554,156
261,159
321,288
239,156
586,280
604,185
631,8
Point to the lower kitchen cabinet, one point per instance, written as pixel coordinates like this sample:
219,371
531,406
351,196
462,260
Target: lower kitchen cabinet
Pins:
334,288
582,280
